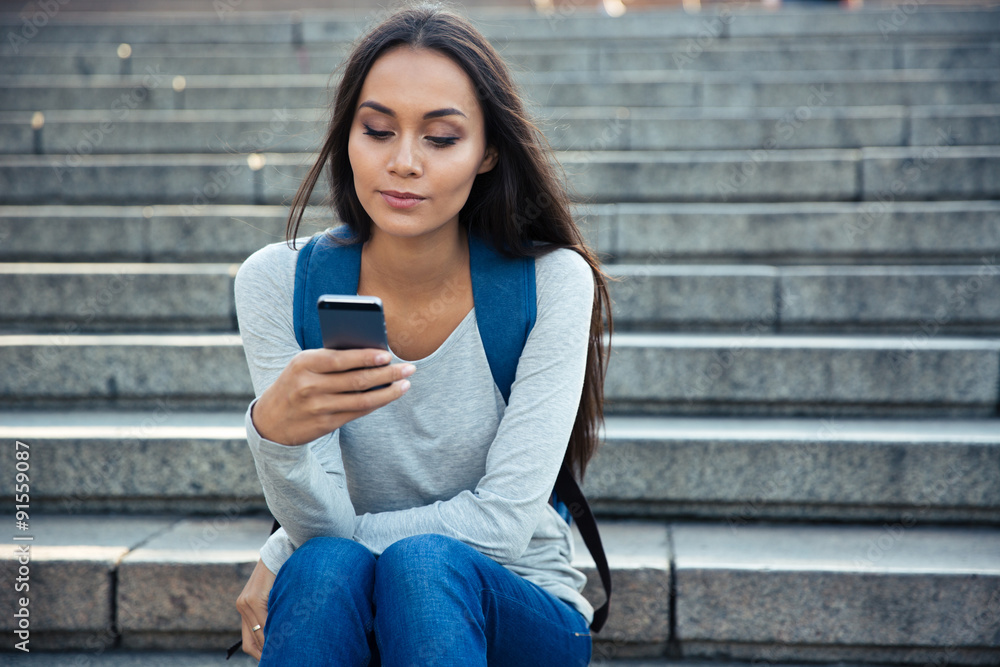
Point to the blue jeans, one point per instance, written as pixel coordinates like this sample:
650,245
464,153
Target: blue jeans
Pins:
427,600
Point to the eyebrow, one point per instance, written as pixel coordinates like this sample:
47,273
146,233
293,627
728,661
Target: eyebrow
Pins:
437,113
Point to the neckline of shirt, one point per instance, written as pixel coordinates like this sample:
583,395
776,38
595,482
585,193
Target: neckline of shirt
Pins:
456,334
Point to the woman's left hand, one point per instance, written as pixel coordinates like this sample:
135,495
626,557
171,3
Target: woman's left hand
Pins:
252,605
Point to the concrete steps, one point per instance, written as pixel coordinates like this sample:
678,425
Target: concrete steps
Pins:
567,128
734,54
567,24
942,171
154,89
168,582
748,373
732,470
156,297
881,232
802,210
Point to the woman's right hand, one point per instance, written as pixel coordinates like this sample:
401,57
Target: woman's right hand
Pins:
321,390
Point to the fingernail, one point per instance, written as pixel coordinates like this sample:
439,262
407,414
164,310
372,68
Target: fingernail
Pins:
407,370
404,386
382,358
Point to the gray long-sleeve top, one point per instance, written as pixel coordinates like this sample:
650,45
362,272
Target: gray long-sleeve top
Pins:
448,457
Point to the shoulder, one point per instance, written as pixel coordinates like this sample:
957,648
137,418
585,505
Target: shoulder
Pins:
565,272
271,266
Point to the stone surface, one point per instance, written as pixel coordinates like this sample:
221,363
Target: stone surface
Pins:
93,297
566,23
732,470
689,297
206,369
807,232
869,232
125,658
677,373
196,180
892,586
912,300
744,470
158,459
969,125
739,54
210,233
794,91
568,128
920,301
71,574
938,171
639,556
187,579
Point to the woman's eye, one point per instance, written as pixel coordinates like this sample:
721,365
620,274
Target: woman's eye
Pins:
378,134
439,142
443,141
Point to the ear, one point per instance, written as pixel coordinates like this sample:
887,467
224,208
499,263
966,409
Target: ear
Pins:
489,160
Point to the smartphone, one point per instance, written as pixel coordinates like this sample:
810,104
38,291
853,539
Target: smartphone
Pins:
350,322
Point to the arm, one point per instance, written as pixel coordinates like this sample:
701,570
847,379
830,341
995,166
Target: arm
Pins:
498,518
305,486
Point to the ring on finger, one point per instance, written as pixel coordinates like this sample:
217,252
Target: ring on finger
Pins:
255,628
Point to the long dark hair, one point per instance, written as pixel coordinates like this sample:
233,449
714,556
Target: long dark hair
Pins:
519,200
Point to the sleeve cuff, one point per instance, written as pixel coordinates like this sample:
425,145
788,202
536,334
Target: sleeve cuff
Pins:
275,453
276,550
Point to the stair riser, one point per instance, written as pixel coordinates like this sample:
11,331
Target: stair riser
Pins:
937,172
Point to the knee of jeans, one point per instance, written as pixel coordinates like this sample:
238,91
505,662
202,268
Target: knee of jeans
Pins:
319,559
424,553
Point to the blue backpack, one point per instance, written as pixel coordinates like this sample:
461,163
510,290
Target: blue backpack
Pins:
503,290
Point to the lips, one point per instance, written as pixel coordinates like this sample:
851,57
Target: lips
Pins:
400,199
401,195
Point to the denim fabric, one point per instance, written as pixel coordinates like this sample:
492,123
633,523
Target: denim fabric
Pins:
427,600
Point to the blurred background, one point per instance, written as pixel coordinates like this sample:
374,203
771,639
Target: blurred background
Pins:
800,203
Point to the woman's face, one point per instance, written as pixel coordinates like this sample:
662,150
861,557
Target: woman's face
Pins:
417,142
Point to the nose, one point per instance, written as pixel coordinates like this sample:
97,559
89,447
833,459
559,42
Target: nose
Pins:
405,159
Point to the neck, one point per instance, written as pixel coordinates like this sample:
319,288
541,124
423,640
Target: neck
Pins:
418,264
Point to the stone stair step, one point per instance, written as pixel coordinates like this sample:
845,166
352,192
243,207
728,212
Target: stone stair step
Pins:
565,23
717,128
607,55
164,233
118,297
756,373
821,299
159,297
175,584
176,579
668,374
893,232
882,231
153,88
914,594
732,470
125,658
908,173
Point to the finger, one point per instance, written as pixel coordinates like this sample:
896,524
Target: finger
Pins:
358,404
251,645
338,361
364,379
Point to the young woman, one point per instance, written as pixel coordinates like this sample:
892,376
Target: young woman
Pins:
416,528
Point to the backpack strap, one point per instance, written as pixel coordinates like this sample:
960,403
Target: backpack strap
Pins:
327,264
503,290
